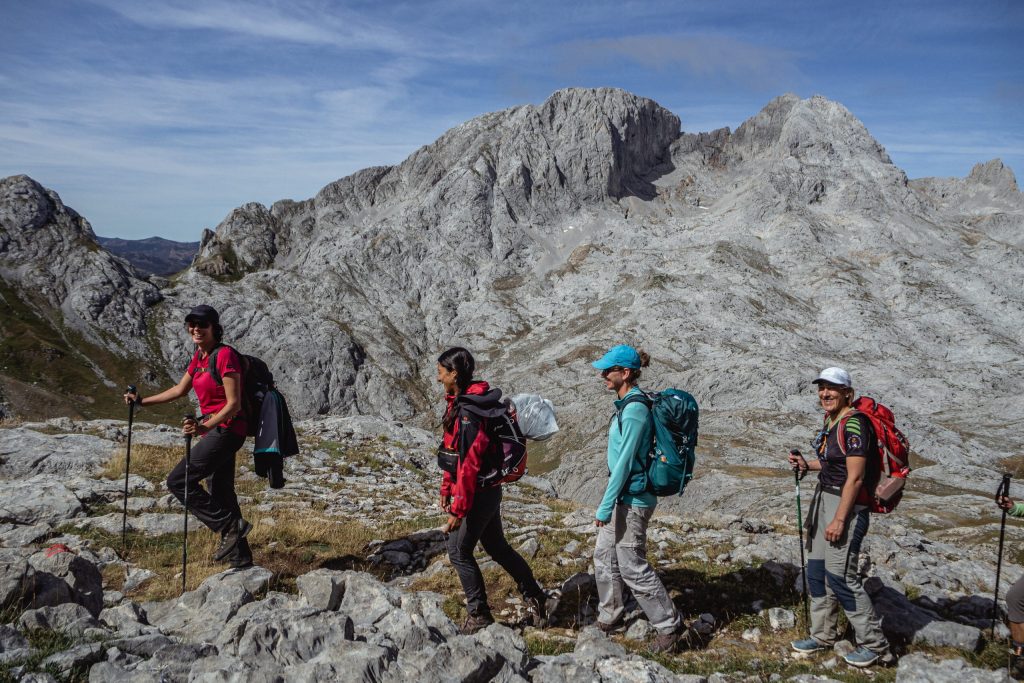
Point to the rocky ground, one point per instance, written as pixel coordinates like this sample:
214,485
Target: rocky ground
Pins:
352,582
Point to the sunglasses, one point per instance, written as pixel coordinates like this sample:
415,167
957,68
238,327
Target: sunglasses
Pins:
200,324
605,373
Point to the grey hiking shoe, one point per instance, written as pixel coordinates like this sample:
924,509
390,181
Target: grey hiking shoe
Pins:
476,622
236,530
809,645
862,658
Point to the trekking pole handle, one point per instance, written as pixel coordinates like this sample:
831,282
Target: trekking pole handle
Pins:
189,416
1004,487
796,468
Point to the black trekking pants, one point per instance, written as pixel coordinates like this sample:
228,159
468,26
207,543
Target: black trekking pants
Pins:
483,523
214,457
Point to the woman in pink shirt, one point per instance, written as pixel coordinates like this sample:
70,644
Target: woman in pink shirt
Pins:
222,429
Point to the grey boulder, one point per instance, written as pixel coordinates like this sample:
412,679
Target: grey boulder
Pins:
918,668
64,576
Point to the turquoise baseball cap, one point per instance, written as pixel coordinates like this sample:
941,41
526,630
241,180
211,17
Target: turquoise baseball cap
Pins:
620,356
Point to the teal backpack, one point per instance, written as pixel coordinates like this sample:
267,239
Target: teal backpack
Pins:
670,462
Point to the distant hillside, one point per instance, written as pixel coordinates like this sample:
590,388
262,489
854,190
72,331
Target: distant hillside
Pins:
153,255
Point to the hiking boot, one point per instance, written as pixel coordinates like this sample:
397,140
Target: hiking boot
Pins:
236,530
862,657
609,629
538,610
808,646
1016,667
476,622
241,558
665,643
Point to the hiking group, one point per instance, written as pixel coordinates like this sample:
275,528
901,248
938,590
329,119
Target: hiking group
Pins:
860,458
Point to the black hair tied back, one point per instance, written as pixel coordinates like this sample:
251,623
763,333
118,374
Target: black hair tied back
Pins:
460,361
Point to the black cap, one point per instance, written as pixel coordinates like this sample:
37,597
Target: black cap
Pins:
203,313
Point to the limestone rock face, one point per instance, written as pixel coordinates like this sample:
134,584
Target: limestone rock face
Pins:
50,253
369,277
243,243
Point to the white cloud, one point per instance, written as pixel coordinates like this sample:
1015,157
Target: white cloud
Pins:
702,55
296,21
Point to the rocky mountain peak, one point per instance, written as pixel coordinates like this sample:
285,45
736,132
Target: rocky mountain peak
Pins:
995,175
815,130
26,207
487,178
244,242
51,252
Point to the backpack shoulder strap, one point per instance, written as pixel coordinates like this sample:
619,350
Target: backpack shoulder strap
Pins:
841,434
642,397
213,363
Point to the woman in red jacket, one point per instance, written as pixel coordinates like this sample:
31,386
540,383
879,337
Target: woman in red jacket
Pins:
474,511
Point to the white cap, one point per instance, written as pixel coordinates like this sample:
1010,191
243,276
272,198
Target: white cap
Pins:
836,376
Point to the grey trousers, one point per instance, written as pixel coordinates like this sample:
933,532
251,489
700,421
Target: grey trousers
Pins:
620,558
832,577
1015,601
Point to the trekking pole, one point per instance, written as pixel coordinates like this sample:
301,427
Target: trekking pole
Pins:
1002,492
800,528
127,466
184,543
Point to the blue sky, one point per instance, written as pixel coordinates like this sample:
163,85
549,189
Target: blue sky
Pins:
158,118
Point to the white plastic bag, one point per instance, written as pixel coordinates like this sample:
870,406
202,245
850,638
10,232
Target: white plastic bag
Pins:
536,416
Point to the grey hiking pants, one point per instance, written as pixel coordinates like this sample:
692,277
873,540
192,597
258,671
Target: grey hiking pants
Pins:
620,558
832,577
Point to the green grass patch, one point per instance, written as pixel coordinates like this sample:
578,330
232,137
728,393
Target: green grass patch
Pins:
539,644
47,369
44,643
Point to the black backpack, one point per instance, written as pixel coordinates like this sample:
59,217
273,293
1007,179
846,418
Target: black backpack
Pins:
257,380
506,461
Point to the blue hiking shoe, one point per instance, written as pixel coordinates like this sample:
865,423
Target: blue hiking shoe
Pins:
808,646
862,657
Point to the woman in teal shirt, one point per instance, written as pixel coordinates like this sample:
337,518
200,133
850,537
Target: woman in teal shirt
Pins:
620,554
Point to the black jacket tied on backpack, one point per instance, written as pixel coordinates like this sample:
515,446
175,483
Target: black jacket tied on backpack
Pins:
275,440
267,415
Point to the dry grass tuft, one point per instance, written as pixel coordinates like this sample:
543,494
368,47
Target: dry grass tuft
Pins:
153,463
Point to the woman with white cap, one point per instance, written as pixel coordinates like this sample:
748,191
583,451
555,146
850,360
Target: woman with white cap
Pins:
620,553
223,430
838,521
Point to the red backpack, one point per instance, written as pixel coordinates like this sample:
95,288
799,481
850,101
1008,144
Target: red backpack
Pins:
893,452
